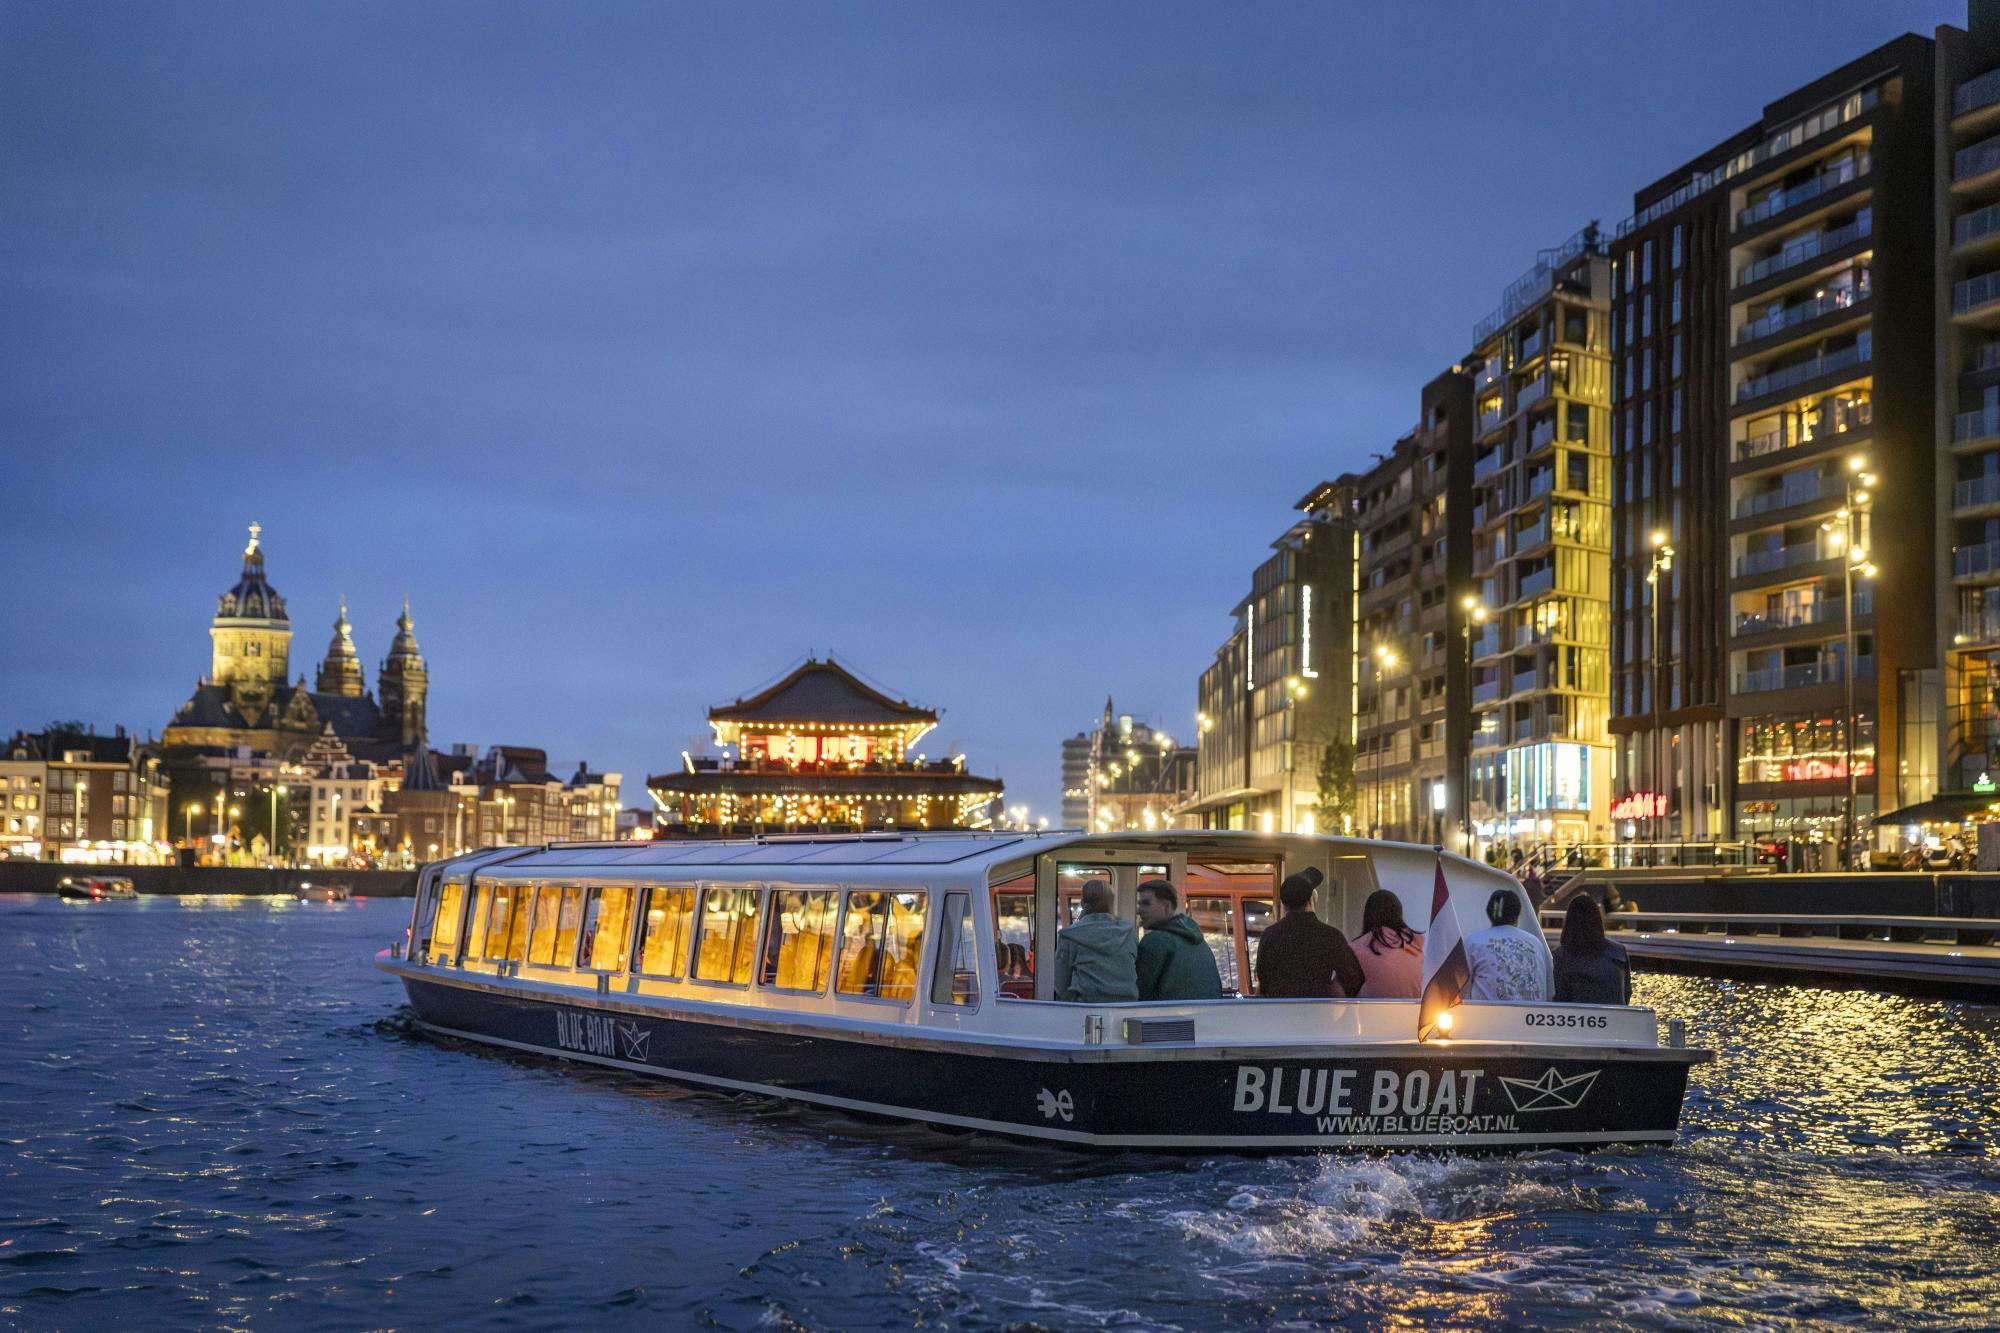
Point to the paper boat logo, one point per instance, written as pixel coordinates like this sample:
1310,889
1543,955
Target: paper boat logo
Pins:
1550,1092
634,1040
1055,1104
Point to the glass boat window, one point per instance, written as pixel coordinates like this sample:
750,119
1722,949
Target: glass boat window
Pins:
798,949
881,935
507,925
955,979
607,929
1014,944
727,944
1217,919
444,925
663,946
558,910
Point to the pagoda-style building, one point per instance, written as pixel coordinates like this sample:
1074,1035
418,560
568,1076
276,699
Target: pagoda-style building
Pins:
820,751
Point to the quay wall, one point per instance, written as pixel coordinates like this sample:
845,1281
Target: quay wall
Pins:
1877,893
42,877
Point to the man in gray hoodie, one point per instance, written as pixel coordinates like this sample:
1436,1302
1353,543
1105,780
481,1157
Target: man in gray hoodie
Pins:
1097,959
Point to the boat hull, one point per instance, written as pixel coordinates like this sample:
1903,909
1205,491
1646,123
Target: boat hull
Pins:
1168,1097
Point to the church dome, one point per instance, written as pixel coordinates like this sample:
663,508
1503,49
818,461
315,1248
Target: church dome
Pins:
253,597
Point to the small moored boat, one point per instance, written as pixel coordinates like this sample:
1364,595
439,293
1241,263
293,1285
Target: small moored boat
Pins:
95,888
906,976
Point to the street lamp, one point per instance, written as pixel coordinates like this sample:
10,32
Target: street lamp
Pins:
188,812
1476,616
1842,530
1662,563
1385,659
277,790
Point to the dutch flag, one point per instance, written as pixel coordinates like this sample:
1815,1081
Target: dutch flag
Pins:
1445,968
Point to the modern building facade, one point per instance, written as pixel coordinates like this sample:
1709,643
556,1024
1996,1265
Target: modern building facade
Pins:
78,796
1280,688
1539,645
1134,776
1776,410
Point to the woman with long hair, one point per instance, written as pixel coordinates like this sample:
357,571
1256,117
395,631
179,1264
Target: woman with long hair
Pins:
1390,953
1590,969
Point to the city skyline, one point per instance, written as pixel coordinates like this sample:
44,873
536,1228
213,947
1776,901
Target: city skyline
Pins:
490,345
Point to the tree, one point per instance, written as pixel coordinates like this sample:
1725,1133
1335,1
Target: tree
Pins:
1335,778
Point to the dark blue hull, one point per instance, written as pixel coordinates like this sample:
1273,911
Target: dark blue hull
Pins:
1165,1097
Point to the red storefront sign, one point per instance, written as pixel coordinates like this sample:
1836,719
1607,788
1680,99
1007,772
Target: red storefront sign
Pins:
1643,805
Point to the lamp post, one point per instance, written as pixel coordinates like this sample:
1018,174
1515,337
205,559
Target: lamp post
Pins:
1662,563
277,790
1385,659
1842,528
1475,619
188,812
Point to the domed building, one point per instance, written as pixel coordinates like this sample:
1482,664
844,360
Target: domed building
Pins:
249,699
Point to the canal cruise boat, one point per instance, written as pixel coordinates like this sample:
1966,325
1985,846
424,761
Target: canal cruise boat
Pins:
909,976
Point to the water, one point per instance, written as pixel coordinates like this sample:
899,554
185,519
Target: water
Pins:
213,1114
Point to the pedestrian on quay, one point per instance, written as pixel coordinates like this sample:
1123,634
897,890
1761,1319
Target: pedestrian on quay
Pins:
1590,969
1301,956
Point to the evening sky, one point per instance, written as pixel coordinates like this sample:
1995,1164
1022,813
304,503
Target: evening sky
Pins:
650,347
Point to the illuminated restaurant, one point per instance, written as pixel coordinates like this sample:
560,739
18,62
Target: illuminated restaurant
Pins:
820,750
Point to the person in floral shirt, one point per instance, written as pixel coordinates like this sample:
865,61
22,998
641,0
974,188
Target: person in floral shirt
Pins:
1507,962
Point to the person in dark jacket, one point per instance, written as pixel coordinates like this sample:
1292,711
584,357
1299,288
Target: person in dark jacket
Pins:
1301,956
1589,968
1175,962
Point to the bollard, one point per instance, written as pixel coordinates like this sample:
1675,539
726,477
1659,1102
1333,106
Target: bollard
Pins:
1677,1033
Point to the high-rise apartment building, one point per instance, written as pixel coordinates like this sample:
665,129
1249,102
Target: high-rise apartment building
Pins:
1541,542
1776,411
1279,689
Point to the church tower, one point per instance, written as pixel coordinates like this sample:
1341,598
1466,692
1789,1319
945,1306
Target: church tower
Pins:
251,636
340,673
403,684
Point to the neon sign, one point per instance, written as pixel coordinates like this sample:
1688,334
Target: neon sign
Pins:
1643,805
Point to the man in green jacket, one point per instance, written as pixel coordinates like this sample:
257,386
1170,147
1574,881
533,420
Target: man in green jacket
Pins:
1174,960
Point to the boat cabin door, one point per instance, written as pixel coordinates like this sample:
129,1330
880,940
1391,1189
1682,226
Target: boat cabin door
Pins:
1059,881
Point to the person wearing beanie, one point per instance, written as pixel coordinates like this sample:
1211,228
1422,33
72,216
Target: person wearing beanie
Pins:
1302,957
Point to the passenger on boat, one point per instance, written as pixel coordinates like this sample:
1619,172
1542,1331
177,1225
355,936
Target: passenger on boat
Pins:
1390,953
857,946
1175,962
1590,969
1301,956
1097,959
1507,962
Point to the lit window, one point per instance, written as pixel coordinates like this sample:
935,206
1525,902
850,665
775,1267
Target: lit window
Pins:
663,949
880,937
955,979
607,929
727,943
798,949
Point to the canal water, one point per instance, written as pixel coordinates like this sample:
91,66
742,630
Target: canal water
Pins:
213,1113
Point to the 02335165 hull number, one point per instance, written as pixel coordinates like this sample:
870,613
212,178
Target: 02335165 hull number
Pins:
1538,1019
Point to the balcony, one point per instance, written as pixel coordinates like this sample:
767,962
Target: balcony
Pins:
1541,483
1482,468
1779,557
1777,321
1976,424
1533,391
1975,293
1977,492
1486,693
1528,538
1977,558
1805,248
1789,377
1846,415
1782,201
1539,582
1795,491
1976,93
1980,224
1970,163
1490,418
1985,357
1543,434
1823,672
1978,622
1816,612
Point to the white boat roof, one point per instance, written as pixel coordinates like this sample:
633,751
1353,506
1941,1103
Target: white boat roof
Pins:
964,850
